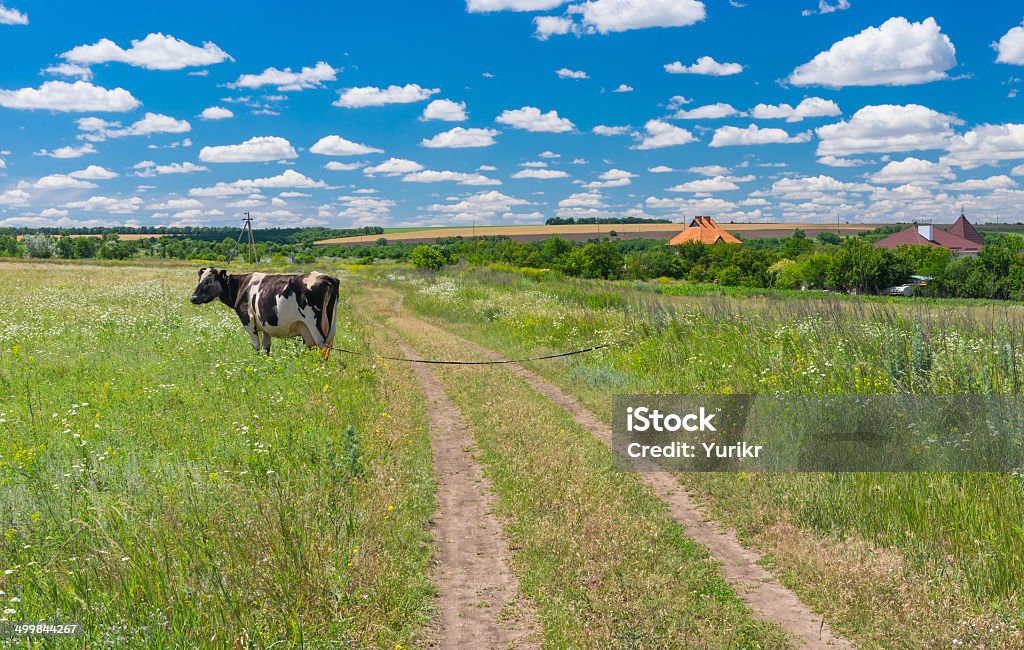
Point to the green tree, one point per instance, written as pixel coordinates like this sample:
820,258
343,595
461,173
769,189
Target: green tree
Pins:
427,257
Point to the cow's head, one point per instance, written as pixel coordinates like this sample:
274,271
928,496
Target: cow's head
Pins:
212,283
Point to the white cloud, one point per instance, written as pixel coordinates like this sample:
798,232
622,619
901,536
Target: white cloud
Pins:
709,112
662,134
1018,170
809,107
445,110
480,207
432,176
68,152
98,130
825,8
898,53
65,97
94,173
530,118
69,70
257,149
11,16
287,79
549,154
149,168
911,170
1010,47
335,145
623,88
612,178
731,136
16,198
61,182
176,204
373,96
155,52
835,161
548,26
662,169
716,184
986,144
460,138
394,167
604,16
812,187
486,6
705,65
540,174
106,204
709,170
287,179
566,73
1001,182
216,113
885,128
601,129
336,166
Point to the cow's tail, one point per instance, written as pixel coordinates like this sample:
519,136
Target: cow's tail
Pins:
328,311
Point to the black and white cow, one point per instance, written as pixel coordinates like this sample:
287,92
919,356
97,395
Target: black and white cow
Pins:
280,306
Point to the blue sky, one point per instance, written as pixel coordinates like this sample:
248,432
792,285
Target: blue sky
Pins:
509,111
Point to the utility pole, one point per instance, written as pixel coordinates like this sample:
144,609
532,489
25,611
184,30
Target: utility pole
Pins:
247,226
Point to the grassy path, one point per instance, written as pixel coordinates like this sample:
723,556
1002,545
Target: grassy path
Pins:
594,550
478,603
740,566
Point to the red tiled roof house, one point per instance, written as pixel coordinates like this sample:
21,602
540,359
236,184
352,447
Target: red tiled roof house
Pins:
705,231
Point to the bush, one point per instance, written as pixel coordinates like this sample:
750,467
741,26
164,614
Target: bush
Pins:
40,246
427,257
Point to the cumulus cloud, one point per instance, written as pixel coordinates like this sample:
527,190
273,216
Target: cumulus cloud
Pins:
540,174
709,170
148,168
885,128
530,118
461,138
287,79
94,173
825,8
705,65
445,110
69,70
287,179
661,169
11,16
1000,182
987,144
809,107
623,88
98,130
216,113
911,170
897,53
336,166
605,16
547,26
155,52
1010,48
730,136
612,178
709,112
566,73
813,187
64,97
487,6
836,161
480,207
61,182
433,176
373,96
715,184
176,204
394,167
601,129
335,145
111,205
660,134
68,151
258,149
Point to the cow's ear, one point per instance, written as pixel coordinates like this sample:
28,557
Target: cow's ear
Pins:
224,274
201,271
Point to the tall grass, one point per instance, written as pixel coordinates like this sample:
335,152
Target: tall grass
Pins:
166,487
961,529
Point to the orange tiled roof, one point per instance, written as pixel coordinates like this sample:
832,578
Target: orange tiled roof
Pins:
705,231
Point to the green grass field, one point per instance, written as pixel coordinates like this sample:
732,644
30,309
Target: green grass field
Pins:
166,487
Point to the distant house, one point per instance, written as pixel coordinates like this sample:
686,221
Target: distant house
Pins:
705,231
961,237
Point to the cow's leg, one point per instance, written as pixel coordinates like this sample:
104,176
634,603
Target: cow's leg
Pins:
254,336
313,338
266,343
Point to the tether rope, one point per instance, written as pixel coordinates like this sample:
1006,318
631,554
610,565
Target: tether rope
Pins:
473,363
